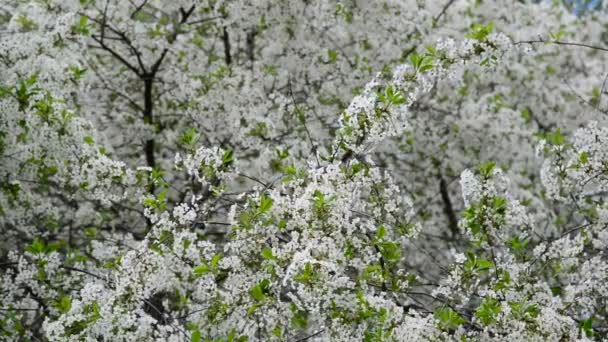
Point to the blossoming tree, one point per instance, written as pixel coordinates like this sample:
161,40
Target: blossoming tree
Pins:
303,170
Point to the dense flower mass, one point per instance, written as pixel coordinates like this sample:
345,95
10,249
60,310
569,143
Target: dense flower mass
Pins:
303,170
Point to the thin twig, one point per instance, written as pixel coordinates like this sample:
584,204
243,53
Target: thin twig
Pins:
310,336
443,11
559,42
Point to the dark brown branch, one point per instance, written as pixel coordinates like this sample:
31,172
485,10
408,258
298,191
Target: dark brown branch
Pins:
115,54
138,9
226,41
101,41
250,43
148,78
448,209
148,119
122,37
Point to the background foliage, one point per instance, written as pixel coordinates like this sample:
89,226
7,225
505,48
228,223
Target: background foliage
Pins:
303,170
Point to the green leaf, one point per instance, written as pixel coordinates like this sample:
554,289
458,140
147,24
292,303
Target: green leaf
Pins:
77,72
499,204
228,158
201,270
504,279
448,318
231,335
596,97
189,138
92,313
486,169
308,275
64,304
381,232
196,336
523,310
557,35
216,260
300,114
267,254
89,140
300,317
526,114
421,63
393,96
488,311
484,264
26,24
265,203
90,233
82,26
260,130
556,138
587,326
258,292
480,32
372,272
518,245
271,70
390,251
277,332
583,157
252,309
333,56
36,247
